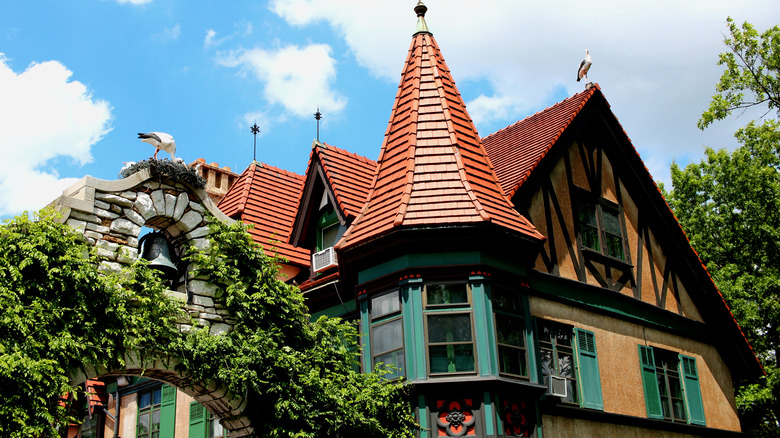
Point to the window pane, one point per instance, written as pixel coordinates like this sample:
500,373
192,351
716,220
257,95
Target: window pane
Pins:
157,396
143,424
395,358
506,299
615,246
548,368
329,235
454,293
451,358
510,330
449,328
146,399
385,304
565,365
512,361
387,336
156,420
611,221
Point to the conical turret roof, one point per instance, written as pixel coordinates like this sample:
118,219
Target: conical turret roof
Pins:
432,170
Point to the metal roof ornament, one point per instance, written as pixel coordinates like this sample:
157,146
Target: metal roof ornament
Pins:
255,129
420,10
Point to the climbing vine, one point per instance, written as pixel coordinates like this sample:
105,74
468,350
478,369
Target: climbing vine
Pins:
58,314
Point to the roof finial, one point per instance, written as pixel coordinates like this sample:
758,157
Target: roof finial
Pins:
255,130
318,117
420,10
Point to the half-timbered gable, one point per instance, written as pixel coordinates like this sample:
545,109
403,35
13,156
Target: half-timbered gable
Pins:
578,189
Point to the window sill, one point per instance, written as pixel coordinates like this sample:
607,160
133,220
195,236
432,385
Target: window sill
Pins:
614,262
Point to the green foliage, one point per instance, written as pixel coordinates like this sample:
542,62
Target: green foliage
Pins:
58,314
729,204
298,374
752,67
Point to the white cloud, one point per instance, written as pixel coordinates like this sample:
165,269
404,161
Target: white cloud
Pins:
243,28
655,61
45,116
484,109
135,2
297,78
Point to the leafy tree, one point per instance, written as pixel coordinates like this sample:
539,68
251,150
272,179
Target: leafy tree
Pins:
59,314
729,204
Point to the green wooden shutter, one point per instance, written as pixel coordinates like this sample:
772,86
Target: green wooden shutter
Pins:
588,370
168,412
693,398
197,420
650,383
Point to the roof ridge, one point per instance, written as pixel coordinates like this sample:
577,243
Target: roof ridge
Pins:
346,152
590,90
279,170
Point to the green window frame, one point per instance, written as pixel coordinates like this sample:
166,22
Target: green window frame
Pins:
510,333
449,329
156,413
599,226
387,334
570,353
671,386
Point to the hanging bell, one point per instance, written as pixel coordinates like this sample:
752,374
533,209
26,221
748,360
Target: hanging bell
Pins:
157,250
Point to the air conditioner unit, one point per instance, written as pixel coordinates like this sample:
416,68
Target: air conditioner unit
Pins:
323,259
557,387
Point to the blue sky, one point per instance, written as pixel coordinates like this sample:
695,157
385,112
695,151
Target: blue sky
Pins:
80,79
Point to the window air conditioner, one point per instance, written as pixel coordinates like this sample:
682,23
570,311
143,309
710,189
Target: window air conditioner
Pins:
557,387
323,259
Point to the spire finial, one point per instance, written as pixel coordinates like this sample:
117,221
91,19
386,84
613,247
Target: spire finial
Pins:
420,10
255,130
318,117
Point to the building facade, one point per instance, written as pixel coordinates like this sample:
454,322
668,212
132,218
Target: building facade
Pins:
532,282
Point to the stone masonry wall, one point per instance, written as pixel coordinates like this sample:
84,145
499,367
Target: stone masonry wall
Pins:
111,215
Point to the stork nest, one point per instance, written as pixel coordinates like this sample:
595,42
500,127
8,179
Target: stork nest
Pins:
166,168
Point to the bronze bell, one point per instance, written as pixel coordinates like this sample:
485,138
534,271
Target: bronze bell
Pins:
157,250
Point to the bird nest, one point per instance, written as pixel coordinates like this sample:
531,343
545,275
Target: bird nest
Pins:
166,168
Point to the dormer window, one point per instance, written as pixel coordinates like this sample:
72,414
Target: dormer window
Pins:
327,228
599,226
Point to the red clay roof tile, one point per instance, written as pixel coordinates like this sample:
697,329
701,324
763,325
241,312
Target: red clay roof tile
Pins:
517,149
431,145
267,197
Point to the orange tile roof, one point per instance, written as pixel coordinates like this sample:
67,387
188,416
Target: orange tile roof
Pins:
432,169
267,197
349,175
517,149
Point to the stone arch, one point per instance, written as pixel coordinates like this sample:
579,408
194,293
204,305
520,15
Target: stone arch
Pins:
110,215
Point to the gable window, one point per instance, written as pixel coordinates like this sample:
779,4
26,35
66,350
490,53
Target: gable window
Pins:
599,227
156,413
510,333
569,353
671,386
450,339
387,340
327,229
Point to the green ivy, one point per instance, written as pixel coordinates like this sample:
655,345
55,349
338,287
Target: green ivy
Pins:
59,315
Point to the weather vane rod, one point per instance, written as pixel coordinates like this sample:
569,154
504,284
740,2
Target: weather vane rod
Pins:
255,129
318,117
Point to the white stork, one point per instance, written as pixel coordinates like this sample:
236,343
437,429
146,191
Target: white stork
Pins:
161,141
584,66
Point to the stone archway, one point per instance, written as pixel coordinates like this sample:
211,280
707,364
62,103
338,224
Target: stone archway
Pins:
110,215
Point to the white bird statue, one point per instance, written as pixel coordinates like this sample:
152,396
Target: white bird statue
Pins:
582,72
161,141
